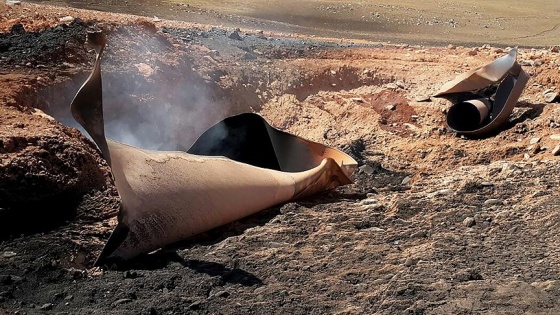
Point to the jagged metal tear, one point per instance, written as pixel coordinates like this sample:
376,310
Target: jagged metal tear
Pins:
250,139
169,196
464,117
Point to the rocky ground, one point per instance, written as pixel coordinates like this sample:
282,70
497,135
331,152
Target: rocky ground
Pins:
433,224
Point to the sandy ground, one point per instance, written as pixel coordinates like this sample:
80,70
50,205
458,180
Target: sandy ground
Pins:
466,22
433,223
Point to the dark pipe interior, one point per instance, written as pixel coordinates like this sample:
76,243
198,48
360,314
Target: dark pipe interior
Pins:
243,138
463,117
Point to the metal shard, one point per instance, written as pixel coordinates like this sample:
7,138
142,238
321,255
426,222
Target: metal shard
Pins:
168,196
475,114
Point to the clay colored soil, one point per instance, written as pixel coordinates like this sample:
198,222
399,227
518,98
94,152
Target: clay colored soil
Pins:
434,223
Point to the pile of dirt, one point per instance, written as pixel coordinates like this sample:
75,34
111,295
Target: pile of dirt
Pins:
434,223
44,48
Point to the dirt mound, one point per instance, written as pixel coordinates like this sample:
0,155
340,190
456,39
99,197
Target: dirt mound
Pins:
46,175
44,48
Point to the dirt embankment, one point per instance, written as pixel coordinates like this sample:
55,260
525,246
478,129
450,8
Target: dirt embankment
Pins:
433,224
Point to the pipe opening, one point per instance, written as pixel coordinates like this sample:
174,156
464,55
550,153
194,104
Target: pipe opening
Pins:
468,115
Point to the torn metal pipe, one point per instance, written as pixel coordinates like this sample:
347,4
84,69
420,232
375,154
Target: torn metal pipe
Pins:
469,114
474,113
169,196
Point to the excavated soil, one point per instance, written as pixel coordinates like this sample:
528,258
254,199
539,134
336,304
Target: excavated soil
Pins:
434,223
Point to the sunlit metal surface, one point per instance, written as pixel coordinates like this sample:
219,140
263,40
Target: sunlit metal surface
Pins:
473,112
226,175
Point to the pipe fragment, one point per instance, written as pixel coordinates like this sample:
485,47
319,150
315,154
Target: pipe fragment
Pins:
169,196
484,98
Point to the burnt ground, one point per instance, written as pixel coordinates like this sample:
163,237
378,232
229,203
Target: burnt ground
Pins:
433,224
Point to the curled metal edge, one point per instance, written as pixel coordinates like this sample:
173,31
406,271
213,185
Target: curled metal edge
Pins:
249,138
88,101
169,196
480,77
512,80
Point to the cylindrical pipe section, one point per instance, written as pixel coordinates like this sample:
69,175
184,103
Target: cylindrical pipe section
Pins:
468,115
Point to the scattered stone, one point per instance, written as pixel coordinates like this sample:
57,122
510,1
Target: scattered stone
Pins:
534,140
441,192
234,35
555,137
358,99
409,262
555,49
391,107
13,2
16,279
391,86
46,307
250,56
374,229
451,46
492,202
526,156
122,301
419,234
410,126
96,272
406,180
473,52
210,59
469,222
144,69
8,254
551,97
423,98
130,274
372,207
556,150
156,19
366,169
469,275
379,281
369,201
66,19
